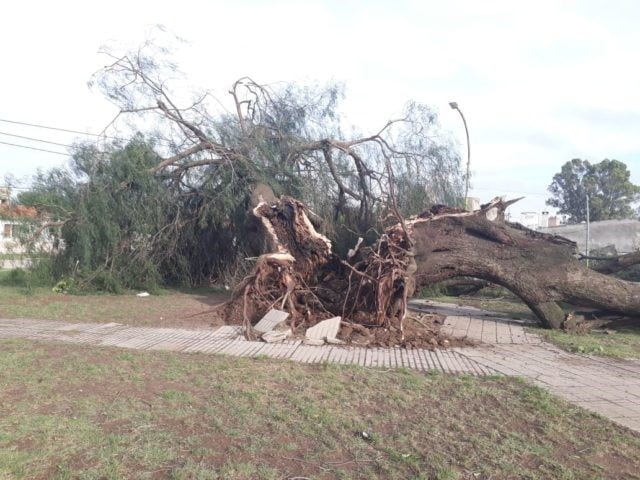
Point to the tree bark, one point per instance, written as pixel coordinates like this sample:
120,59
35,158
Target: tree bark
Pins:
541,269
615,264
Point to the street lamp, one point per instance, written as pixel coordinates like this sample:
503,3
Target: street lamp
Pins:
454,106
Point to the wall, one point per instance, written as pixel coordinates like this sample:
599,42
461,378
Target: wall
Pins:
9,244
623,234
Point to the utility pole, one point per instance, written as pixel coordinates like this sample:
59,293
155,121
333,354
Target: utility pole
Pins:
454,106
587,242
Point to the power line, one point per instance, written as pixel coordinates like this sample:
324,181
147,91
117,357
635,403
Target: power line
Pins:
166,142
35,139
15,122
34,148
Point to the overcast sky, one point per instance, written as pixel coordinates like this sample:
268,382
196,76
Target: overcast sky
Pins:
539,82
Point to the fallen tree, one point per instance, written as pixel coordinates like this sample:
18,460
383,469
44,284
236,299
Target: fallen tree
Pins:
614,264
302,275
292,140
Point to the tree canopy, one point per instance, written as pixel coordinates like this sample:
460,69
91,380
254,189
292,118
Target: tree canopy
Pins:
607,184
171,205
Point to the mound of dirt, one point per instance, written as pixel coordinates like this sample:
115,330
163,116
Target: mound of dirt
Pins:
422,331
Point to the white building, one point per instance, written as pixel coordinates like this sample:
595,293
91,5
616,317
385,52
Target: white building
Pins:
13,218
535,220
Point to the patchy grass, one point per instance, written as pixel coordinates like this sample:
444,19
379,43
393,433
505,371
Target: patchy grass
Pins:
76,412
623,342
179,308
508,305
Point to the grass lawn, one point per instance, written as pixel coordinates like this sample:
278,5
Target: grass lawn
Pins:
507,305
623,342
80,412
171,308
619,342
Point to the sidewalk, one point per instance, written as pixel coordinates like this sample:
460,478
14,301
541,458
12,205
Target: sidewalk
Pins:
608,387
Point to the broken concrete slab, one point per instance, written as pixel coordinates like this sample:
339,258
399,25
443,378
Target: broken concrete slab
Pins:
313,341
324,330
335,341
275,336
271,321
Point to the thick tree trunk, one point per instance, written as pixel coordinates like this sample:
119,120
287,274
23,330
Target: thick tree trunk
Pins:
372,285
616,264
541,269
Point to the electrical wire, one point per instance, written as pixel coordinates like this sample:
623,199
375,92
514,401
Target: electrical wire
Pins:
79,132
15,122
36,139
34,148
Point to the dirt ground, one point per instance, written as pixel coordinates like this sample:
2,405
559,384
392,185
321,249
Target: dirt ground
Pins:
199,308
419,331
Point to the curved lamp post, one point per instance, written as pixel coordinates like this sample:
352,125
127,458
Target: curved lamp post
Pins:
454,106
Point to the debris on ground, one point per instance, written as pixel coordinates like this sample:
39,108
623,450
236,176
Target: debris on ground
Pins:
324,331
420,331
271,321
275,336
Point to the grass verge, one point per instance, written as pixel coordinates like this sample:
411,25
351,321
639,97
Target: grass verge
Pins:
506,305
623,342
175,308
76,412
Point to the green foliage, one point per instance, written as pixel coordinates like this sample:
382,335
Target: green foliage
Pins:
611,193
113,207
128,225
62,286
14,278
38,275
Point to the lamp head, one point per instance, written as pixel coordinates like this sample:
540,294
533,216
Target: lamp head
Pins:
453,105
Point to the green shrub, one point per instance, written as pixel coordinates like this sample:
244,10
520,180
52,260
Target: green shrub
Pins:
14,278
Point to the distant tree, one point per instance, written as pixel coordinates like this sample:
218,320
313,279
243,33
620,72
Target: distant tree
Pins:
608,185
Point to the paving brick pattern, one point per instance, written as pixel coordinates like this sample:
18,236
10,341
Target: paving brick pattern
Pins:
230,341
606,386
492,331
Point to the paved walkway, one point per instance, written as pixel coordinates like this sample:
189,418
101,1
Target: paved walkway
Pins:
230,341
609,387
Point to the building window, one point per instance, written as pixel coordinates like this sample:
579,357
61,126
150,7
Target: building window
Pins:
9,230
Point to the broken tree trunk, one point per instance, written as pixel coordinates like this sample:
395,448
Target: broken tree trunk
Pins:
302,275
615,264
541,269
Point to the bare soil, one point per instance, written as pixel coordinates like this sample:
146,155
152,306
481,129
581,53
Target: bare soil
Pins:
421,331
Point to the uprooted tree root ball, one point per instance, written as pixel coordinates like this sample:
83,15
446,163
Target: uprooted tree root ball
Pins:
370,288
304,277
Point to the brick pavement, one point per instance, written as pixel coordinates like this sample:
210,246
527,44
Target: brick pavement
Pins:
230,341
606,386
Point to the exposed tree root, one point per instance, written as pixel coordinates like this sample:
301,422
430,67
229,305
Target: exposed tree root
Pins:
302,275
